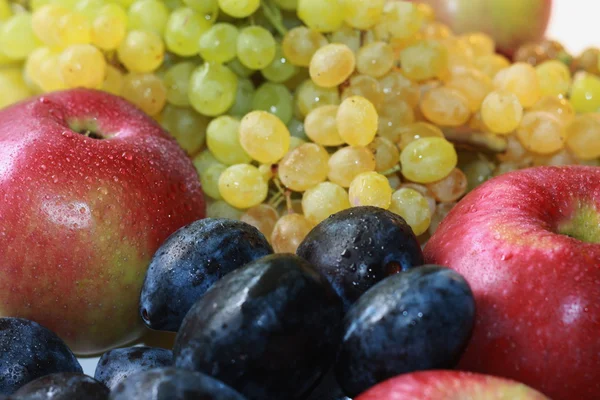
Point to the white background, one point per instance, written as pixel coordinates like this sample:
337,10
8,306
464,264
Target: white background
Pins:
574,23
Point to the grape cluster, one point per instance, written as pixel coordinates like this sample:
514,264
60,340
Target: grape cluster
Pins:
293,110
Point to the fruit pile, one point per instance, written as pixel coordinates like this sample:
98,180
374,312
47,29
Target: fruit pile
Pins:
253,325
295,109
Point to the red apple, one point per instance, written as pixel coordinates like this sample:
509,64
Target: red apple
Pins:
82,213
444,385
510,22
528,243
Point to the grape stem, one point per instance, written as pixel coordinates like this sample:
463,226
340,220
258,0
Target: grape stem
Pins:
273,15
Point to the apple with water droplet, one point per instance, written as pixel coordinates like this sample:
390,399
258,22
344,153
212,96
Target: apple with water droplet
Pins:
509,22
90,187
528,243
444,385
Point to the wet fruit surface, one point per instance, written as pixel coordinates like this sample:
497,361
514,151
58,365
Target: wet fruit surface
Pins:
358,247
29,351
172,383
63,386
268,329
190,261
116,365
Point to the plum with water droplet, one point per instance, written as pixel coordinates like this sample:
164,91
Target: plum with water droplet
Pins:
29,351
358,247
269,329
63,386
115,365
170,383
415,320
190,261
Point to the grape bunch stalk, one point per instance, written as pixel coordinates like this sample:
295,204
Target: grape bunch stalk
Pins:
293,110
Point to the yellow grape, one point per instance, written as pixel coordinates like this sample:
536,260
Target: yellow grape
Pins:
424,60
289,231
348,162
375,59
321,15
17,39
243,186
541,132
501,112
451,188
522,80
300,43
82,65
415,131
187,127
428,159
263,217
554,78
176,80
365,86
558,106
209,178
323,200
583,136
264,137
357,121
413,207
362,14
472,84
370,189
13,86
113,80
445,106
386,154
309,96
320,126
401,19
239,8
331,65
109,27
304,167
147,91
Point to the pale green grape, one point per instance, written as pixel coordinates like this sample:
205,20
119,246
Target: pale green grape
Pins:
203,160
150,15
17,39
288,5
176,80
274,98
208,8
240,69
243,98
212,89
280,69
183,31
255,47
186,126
209,178
239,8
223,140
322,15
219,43
87,8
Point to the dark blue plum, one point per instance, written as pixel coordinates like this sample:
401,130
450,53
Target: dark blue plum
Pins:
63,386
115,365
416,320
29,351
269,329
170,383
358,247
190,261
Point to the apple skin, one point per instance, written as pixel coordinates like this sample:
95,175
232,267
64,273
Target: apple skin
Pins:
82,217
444,384
510,22
536,291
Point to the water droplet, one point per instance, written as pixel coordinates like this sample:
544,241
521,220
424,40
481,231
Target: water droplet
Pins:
54,179
127,156
43,167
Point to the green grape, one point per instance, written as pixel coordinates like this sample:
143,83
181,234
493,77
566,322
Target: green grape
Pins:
223,140
176,79
172,4
17,39
274,98
109,27
221,209
209,178
240,69
183,31
309,96
296,128
219,43
243,98
255,47
322,15
208,8
141,51
280,69
203,160
243,186
150,15
212,89
186,126
239,8
124,3
585,93
288,5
